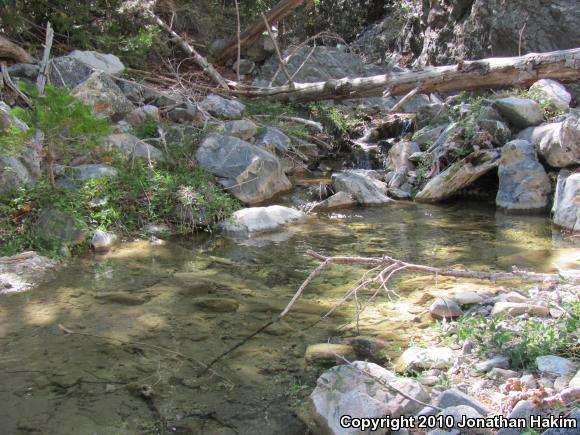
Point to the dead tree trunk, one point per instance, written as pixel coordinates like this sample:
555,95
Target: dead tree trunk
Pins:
468,75
252,33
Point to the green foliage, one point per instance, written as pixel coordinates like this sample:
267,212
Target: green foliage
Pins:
138,196
522,340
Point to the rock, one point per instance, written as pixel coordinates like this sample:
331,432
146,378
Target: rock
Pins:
523,182
555,365
68,72
458,176
13,174
399,155
217,45
443,308
523,410
24,271
566,431
185,114
514,309
26,71
397,178
272,140
246,66
428,135
55,226
370,347
566,208
121,298
141,95
456,397
83,173
100,91
362,187
459,413
416,358
500,362
108,63
575,382
512,297
337,201
562,382
554,92
520,112
242,129
344,390
502,374
217,305
7,119
259,219
325,353
467,298
252,174
397,193
133,147
558,143
142,114
222,107
103,240
500,133
529,381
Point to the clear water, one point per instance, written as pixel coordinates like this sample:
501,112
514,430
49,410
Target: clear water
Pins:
163,300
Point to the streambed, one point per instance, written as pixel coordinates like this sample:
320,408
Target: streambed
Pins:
152,313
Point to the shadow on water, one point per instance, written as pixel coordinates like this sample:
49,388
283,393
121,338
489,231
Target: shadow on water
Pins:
200,296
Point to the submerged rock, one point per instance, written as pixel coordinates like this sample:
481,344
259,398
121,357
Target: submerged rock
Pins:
523,182
520,112
344,390
251,174
337,201
218,305
365,189
566,208
103,240
458,176
261,219
558,143
324,353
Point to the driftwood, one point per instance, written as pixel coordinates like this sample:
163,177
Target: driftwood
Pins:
252,34
468,75
10,51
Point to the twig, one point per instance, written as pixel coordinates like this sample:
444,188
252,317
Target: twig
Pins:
11,85
403,100
278,53
520,40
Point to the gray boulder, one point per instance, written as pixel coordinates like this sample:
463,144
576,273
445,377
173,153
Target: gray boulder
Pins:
556,365
108,63
558,143
133,147
261,219
58,226
456,397
458,413
337,201
273,139
499,132
428,135
554,92
100,91
103,240
251,174
520,112
13,174
242,129
365,189
68,72
499,361
458,176
400,154
344,390
566,208
523,181
522,411
185,113
222,107
142,114
443,308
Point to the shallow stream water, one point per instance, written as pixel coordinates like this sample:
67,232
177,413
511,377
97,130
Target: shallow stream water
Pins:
146,317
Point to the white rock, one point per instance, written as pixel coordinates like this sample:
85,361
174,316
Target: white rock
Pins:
260,219
467,298
554,92
108,63
575,382
555,365
431,358
515,309
336,201
103,240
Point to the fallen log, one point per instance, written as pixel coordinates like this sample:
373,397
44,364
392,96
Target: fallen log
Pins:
10,51
252,33
488,73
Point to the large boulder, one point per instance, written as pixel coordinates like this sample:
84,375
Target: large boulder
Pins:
337,201
346,390
242,129
260,219
251,174
365,189
68,72
13,174
417,358
273,139
520,112
566,208
101,92
400,153
132,147
108,63
55,226
222,107
553,92
458,176
523,182
558,143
